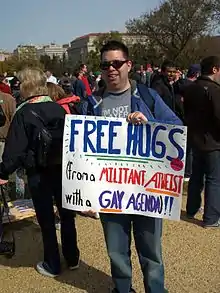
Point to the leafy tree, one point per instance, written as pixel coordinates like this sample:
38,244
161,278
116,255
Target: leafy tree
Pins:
13,64
172,26
45,61
93,59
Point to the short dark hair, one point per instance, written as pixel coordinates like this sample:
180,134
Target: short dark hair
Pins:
208,63
2,78
113,46
166,64
82,66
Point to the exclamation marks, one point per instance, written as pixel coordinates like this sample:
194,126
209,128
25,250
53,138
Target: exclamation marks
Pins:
168,204
171,205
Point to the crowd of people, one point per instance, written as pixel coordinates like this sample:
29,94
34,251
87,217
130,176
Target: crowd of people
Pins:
35,105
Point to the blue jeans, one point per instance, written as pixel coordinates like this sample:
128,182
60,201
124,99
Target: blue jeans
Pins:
147,235
205,171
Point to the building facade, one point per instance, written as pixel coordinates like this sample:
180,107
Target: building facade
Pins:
26,52
4,55
80,47
53,50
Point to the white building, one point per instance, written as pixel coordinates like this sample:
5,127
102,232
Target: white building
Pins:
52,50
81,46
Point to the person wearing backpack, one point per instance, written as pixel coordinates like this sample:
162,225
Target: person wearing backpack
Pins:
138,105
34,143
70,101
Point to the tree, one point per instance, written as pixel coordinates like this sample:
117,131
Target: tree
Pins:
13,64
93,59
175,23
45,61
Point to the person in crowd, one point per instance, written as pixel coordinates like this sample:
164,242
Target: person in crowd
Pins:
202,116
91,80
25,147
65,98
149,72
55,91
8,106
50,77
179,88
118,94
83,71
15,88
163,83
4,87
64,77
79,86
70,101
139,75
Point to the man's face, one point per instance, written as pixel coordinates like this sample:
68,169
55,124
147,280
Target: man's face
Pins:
115,68
171,73
48,73
85,69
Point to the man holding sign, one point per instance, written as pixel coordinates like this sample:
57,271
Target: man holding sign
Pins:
138,105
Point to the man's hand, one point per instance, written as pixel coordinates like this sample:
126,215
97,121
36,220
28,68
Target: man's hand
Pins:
2,181
137,118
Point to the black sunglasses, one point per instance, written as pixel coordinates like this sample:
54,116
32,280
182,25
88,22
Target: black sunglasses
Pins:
117,64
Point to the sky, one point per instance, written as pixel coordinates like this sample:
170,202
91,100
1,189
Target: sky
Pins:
60,21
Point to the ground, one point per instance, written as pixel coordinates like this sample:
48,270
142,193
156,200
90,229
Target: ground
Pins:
191,256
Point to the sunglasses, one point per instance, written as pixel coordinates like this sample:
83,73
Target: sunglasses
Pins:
117,64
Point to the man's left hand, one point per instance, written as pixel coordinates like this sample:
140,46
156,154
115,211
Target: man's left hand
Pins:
137,118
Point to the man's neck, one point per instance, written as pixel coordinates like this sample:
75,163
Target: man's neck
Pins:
119,90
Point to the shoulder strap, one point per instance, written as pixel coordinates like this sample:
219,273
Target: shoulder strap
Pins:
147,97
38,116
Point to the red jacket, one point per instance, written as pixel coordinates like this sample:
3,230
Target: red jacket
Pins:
5,88
86,83
66,101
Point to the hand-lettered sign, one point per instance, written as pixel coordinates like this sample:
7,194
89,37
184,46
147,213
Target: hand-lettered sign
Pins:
111,166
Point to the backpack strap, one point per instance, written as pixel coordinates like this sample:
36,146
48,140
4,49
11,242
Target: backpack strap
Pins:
66,108
147,97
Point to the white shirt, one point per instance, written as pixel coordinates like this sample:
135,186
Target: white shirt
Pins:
52,79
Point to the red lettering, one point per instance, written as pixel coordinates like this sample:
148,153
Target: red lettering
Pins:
122,176
104,173
167,182
153,179
110,175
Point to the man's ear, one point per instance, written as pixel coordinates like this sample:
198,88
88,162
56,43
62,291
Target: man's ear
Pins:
129,63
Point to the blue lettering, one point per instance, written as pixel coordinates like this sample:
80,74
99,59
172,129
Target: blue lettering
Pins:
156,143
145,203
117,200
132,139
144,148
131,202
111,200
73,132
100,134
175,144
104,202
87,142
113,134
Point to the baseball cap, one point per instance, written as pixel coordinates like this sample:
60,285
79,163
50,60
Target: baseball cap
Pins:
194,69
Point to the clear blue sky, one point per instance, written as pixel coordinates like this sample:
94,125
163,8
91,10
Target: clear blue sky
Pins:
60,21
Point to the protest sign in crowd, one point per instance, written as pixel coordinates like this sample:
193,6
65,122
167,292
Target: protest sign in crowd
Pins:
116,150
